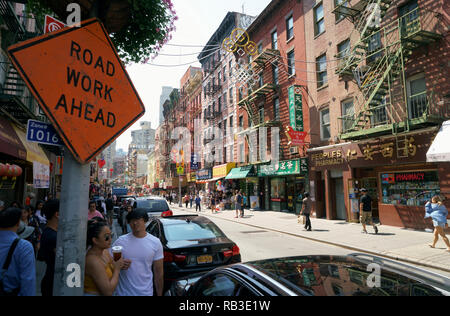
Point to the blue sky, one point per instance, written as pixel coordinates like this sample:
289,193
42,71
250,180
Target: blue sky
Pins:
198,20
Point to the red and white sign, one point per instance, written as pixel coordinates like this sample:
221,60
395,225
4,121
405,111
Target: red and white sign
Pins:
52,24
296,138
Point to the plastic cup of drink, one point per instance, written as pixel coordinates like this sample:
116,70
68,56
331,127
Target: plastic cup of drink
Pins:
117,252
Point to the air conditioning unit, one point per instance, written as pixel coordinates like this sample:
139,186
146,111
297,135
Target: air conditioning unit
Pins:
293,150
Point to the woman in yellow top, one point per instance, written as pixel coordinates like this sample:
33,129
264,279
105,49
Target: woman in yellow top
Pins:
101,272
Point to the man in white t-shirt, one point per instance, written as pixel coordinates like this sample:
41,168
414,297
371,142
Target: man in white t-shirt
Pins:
144,258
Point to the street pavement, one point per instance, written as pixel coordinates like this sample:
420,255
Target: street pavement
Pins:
394,243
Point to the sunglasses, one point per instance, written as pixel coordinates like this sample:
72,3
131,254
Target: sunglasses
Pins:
108,237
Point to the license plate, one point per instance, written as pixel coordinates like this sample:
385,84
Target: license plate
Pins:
204,259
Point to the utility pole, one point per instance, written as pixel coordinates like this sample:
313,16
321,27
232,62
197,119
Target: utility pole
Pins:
72,228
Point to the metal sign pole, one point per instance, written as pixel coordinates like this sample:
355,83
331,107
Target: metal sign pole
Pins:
72,228
180,203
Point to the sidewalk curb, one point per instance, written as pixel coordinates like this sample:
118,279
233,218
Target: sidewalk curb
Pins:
423,263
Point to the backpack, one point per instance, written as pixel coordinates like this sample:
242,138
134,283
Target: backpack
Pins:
5,268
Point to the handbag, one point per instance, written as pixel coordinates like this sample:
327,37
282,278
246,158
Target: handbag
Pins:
302,219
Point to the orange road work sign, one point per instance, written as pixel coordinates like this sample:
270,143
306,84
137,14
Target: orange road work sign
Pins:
81,85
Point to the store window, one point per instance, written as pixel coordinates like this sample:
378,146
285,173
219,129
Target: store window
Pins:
278,189
409,188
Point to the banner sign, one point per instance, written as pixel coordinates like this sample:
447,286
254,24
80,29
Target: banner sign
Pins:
296,108
41,176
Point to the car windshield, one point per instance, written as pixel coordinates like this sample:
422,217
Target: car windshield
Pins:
191,231
331,276
153,205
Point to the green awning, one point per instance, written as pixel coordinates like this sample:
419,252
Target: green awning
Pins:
240,173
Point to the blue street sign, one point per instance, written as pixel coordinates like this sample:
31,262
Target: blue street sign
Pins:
43,133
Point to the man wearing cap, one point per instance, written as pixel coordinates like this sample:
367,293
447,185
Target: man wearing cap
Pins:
365,208
19,277
144,259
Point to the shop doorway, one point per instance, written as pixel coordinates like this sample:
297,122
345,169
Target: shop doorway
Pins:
341,212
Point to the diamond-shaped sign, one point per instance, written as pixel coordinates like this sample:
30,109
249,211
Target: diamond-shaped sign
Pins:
81,85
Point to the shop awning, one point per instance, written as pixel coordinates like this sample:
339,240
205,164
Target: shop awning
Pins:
216,179
440,149
239,173
34,151
10,143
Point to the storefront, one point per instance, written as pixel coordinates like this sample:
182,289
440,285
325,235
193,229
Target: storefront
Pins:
37,173
285,184
191,183
393,170
203,176
12,152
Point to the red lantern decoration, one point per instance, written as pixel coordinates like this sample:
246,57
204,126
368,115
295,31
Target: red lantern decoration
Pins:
17,171
101,163
2,169
9,170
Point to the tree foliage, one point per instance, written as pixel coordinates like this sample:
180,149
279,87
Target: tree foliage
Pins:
149,27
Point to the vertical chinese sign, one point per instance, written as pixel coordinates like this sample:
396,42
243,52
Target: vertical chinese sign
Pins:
296,108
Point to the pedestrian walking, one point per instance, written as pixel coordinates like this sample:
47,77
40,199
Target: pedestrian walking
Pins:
128,209
170,199
365,206
186,200
244,204
109,203
101,274
145,268
238,203
47,251
39,215
191,199
213,203
18,277
198,207
438,213
28,232
306,211
92,212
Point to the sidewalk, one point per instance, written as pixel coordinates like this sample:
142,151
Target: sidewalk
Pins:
392,242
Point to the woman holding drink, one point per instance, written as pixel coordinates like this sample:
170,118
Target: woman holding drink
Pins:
102,272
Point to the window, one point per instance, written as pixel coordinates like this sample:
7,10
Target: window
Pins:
348,113
319,23
219,105
241,121
291,63
231,96
225,127
230,67
225,99
343,48
241,153
342,4
224,73
325,124
260,48
221,285
276,108
231,121
409,188
416,90
275,74
219,78
261,80
321,67
261,116
290,27
274,37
